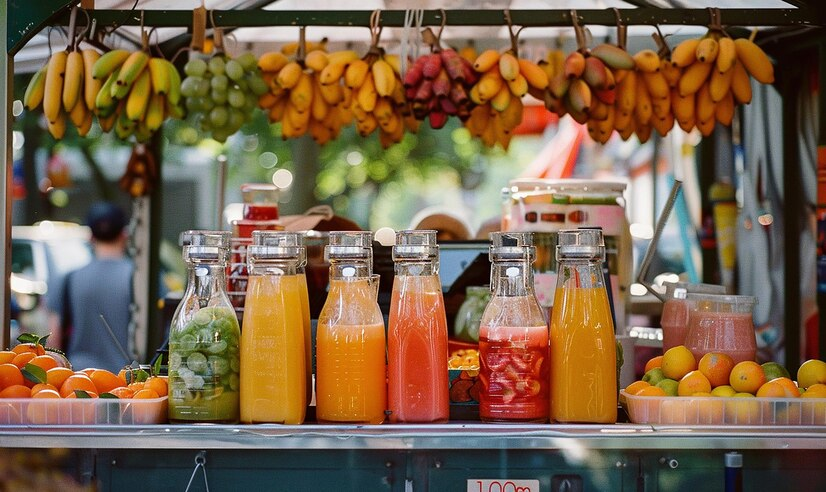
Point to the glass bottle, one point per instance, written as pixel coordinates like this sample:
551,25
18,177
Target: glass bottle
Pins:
273,345
583,344
351,370
417,382
513,337
466,326
204,337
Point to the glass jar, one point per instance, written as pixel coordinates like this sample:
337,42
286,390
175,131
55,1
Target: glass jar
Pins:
273,344
583,345
466,325
417,382
721,323
351,369
513,337
204,337
674,318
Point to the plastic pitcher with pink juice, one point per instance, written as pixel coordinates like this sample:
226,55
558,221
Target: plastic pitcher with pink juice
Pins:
721,323
674,318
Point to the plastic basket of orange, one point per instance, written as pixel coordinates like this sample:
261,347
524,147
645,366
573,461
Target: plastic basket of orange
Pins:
676,390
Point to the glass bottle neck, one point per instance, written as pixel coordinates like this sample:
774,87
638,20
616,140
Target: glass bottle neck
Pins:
424,268
348,269
274,267
511,279
205,281
580,274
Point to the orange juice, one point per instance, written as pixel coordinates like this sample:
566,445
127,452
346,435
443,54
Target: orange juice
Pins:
273,365
417,351
308,336
351,373
583,357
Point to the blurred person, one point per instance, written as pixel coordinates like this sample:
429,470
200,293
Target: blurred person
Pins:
101,288
449,226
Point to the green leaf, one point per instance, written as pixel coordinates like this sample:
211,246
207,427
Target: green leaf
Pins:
156,369
141,375
108,396
34,373
42,340
82,394
28,338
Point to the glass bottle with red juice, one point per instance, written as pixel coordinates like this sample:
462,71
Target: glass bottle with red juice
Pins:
417,337
513,337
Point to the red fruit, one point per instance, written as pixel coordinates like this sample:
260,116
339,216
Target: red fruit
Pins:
413,76
432,66
607,96
425,91
458,95
471,75
410,92
441,85
447,106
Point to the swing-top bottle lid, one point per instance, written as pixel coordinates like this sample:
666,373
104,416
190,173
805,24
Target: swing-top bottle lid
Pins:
353,245
506,246
206,245
276,245
415,245
585,243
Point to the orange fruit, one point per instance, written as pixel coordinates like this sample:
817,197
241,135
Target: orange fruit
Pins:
77,382
747,377
788,385
6,356
136,386
122,392
817,390
146,394
744,410
634,387
158,384
29,348
37,388
20,360
88,371
651,391
105,381
694,382
44,413
771,389
677,362
653,362
10,375
811,372
716,367
92,394
57,375
44,362
16,391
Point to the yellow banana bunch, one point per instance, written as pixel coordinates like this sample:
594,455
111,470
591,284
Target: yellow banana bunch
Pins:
493,126
503,75
655,78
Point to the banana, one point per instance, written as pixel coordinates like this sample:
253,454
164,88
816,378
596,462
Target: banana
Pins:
682,106
316,60
598,110
686,125
574,65
91,85
159,74
534,75
740,84
490,83
395,63
622,119
468,52
627,92
685,53
518,86
661,107
72,80
558,85
613,56
706,127
104,100
289,75
663,125
487,60
725,110
108,63
355,73
595,73
657,85
706,51
755,60
333,72
344,57
272,61
500,101
384,78
512,115
642,109
301,95
57,128
726,54
647,61
36,89
154,112
719,84
693,78
53,91
131,69
580,96
331,93
643,132
78,114
626,132
277,110
85,125
108,122
508,66
366,95
138,98
174,94
705,107
671,73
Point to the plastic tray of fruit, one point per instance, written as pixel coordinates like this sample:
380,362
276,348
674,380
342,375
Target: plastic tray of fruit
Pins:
714,410
83,411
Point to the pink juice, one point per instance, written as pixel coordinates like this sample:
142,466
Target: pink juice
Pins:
725,332
674,322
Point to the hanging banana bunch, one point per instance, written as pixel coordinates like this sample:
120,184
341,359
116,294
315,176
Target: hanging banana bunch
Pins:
296,97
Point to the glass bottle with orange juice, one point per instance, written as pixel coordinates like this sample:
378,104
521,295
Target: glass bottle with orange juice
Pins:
513,337
583,344
273,345
417,383
351,369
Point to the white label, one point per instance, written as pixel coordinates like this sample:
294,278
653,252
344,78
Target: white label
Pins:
502,485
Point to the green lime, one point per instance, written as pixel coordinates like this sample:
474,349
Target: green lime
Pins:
669,386
774,370
653,376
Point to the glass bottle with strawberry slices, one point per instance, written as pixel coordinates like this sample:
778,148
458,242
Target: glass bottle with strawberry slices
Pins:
513,337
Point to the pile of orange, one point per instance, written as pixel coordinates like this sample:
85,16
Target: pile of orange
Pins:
678,373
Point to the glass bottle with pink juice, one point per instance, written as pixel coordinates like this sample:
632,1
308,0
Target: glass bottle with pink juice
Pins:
674,318
351,369
417,384
721,323
513,337
583,344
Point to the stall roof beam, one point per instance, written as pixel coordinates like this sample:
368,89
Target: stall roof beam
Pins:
526,18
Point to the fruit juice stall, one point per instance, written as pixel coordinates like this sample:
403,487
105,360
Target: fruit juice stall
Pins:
666,442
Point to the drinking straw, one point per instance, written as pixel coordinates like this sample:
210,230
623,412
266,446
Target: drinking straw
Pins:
658,230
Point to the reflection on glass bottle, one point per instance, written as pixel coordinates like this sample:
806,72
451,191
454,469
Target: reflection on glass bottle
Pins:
469,315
